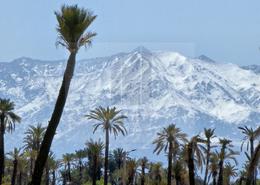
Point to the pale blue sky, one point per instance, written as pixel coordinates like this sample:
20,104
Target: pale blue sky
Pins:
225,30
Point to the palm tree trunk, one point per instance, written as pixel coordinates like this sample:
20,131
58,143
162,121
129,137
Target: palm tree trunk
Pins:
53,178
252,165
207,164
31,166
252,153
143,175
169,175
54,121
20,178
47,175
220,174
106,158
69,172
14,172
2,150
191,164
80,170
214,180
95,170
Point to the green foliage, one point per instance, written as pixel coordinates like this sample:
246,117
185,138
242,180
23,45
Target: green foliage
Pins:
72,23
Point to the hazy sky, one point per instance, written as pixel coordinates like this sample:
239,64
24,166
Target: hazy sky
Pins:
225,30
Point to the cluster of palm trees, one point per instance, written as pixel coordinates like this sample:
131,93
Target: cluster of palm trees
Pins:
192,154
35,164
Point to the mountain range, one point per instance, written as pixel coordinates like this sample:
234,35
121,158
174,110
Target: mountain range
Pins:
152,88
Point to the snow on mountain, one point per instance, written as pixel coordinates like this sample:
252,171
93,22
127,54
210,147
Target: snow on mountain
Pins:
153,89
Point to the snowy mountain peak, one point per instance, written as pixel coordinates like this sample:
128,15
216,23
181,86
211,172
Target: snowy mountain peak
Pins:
205,59
142,50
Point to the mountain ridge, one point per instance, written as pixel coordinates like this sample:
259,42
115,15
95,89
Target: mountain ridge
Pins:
153,89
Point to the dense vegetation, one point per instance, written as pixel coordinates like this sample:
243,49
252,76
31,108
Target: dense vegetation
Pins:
200,159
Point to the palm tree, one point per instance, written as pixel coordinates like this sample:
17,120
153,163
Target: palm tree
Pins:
242,175
118,156
156,173
225,153
250,136
132,169
15,157
67,160
32,142
50,160
22,170
169,140
33,137
111,122
229,171
7,123
194,149
94,151
209,135
72,23
213,167
79,156
53,166
143,162
178,170
253,165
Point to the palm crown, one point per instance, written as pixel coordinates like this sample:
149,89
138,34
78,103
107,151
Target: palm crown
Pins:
249,135
197,149
94,149
7,114
34,137
226,150
108,119
72,23
170,134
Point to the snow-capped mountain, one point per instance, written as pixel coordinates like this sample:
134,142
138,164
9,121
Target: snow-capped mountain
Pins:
153,89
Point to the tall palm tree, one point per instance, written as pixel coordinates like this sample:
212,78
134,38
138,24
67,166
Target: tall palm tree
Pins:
111,122
72,24
194,150
169,140
143,162
15,157
94,151
226,152
8,119
209,135
253,165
